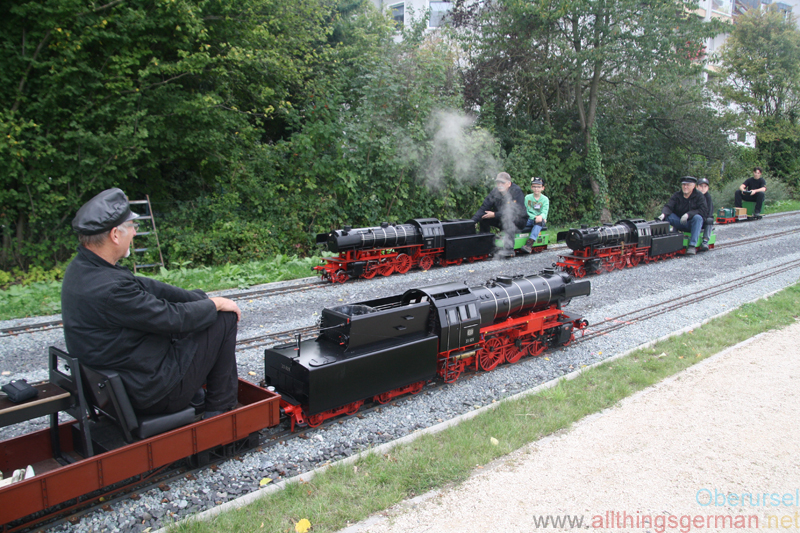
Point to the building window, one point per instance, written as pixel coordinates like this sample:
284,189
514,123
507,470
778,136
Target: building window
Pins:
398,14
741,136
439,13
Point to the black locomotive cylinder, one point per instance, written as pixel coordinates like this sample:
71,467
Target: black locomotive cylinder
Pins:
608,235
385,236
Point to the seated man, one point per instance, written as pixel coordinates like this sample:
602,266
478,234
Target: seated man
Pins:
752,190
165,342
708,224
686,211
537,205
503,208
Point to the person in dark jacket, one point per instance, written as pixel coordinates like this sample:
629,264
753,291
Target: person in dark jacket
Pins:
752,190
708,224
165,342
503,208
686,211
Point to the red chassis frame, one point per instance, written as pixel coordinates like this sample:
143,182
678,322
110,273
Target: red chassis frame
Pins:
507,341
385,261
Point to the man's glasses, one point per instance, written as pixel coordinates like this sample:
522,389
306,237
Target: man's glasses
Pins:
134,225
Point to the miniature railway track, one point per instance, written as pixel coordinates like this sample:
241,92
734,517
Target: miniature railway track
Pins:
306,286
652,311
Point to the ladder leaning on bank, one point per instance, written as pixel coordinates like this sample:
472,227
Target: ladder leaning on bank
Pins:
147,217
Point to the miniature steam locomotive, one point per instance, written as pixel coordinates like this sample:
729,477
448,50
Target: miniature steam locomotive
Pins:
624,244
420,242
379,349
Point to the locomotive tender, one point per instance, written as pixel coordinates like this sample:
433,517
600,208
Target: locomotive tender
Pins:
380,349
620,245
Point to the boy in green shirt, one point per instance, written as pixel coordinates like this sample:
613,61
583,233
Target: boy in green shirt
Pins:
537,205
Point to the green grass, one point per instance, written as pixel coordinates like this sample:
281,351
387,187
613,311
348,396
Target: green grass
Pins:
44,298
345,494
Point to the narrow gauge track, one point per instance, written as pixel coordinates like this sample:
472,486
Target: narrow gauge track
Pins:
645,313
260,293
165,476
265,293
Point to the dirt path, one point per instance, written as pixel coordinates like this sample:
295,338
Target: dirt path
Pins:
715,448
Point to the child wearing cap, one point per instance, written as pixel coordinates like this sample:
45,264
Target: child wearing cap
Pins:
537,205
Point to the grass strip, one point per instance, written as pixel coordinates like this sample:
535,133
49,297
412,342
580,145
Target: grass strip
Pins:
345,494
44,298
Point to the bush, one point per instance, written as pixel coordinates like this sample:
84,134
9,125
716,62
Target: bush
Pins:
776,191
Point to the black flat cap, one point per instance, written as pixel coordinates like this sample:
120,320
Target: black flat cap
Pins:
689,179
107,210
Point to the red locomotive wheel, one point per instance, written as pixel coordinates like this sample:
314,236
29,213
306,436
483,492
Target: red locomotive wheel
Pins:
635,260
315,420
370,272
352,408
621,262
402,263
457,262
426,262
514,354
536,348
386,269
578,272
492,354
340,277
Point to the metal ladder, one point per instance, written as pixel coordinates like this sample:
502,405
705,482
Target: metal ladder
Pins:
147,217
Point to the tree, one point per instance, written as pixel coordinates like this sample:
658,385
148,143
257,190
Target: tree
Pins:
558,61
761,61
158,96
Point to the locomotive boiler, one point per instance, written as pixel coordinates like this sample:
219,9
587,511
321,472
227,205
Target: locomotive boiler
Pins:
617,246
380,349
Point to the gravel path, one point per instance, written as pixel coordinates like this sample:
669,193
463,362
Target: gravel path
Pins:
732,440
613,294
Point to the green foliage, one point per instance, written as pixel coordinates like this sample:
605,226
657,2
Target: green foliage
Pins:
777,191
761,60
156,96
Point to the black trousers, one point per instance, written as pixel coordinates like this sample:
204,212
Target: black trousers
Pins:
484,225
214,365
758,198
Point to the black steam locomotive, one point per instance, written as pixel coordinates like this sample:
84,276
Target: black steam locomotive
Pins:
379,349
616,246
390,248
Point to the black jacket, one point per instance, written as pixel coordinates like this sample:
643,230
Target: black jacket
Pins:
694,205
511,203
709,206
134,325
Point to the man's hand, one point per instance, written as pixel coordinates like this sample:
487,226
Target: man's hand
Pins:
538,219
661,216
224,304
684,218
489,214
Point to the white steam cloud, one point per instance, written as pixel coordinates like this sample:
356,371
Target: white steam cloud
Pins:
459,149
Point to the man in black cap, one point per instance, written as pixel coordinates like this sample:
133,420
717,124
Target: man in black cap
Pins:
503,208
686,211
165,342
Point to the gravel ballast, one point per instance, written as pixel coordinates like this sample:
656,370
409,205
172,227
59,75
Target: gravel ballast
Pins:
24,356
